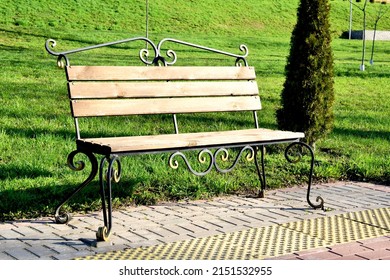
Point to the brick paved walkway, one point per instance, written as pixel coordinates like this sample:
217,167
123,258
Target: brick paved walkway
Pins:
170,222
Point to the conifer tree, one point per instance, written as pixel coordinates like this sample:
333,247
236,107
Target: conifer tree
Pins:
308,94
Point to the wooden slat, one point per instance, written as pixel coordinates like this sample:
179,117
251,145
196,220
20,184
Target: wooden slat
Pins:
141,73
119,107
188,140
160,89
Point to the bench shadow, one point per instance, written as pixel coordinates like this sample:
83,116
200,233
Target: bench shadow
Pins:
39,202
10,171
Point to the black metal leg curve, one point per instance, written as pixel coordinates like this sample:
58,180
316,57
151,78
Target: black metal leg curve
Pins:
261,172
319,199
105,179
63,218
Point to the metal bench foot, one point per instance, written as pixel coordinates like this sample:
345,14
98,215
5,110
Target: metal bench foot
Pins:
261,194
63,218
102,234
300,145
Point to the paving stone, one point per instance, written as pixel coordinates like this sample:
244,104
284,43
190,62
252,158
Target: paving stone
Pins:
171,221
27,231
11,234
138,225
177,230
351,258
349,249
285,257
243,219
7,226
193,228
374,255
374,240
6,257
145,234
21,254
378,245
42,252
132,238
163,232
326,255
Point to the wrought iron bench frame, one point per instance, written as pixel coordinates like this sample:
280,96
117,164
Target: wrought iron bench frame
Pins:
253,149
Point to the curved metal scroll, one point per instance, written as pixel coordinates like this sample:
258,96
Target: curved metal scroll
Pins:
213,159
201,158
105,179
76,166
225,157
62,56
172,55
289,158
144,53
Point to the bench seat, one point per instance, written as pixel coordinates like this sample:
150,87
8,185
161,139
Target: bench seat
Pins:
183,141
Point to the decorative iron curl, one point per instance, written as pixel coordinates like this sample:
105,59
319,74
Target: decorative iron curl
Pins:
172,54
60,61
144,55
319,199
50,44
288,155
242,59
105,179
76,166
201,158
225,156
112,173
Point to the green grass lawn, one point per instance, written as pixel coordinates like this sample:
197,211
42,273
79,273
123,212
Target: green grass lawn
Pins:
37,133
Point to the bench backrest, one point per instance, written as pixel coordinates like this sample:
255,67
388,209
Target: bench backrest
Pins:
133,90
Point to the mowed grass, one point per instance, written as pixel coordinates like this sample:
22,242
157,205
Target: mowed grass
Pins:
37,132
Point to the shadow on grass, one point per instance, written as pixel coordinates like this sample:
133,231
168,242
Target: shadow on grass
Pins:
42,201
18,172
366,134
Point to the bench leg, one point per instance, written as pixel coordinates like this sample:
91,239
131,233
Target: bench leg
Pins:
105,179
260,171
289,158
63,218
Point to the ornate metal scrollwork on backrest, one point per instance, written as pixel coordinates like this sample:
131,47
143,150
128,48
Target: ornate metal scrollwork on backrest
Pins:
144,54
173,57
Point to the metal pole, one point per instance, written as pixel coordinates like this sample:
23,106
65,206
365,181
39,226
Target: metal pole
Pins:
350,19
147,25
147,19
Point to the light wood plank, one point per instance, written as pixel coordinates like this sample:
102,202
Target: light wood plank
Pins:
79,90
119,107
142,73
188,140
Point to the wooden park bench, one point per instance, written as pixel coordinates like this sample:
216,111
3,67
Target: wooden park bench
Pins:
160,88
